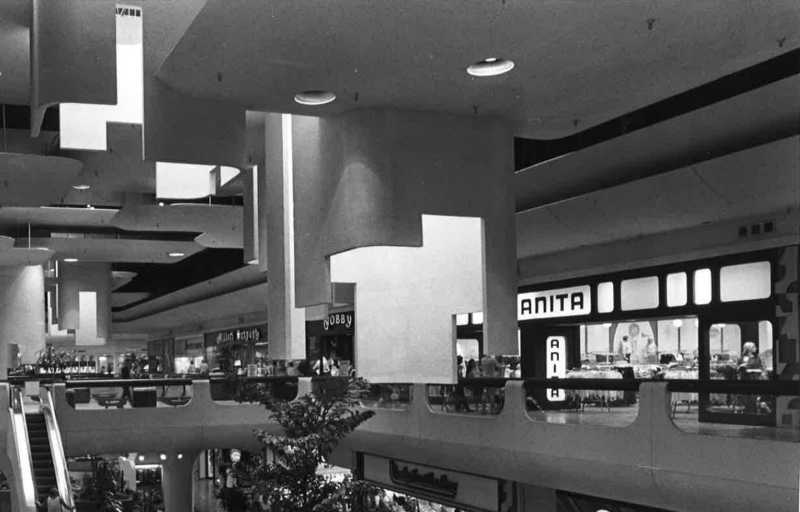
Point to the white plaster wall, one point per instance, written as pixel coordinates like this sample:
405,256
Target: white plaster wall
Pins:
22,318
406,298
85,277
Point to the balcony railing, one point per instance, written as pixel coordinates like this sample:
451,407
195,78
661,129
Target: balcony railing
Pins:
485,396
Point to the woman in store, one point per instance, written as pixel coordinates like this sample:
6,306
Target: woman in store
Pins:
750,367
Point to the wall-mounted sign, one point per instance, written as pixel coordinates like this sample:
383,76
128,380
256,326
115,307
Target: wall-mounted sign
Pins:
338,320
453,488
573,301
244,335
556,365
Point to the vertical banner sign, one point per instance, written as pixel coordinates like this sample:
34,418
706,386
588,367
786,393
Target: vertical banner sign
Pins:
556,365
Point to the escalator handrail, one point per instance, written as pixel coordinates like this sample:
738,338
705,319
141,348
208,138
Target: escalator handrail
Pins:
57,450
23,444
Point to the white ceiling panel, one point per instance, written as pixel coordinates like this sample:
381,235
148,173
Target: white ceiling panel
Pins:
117,249
220,226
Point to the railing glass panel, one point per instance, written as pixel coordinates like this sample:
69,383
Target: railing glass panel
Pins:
606,402
750,409
483,396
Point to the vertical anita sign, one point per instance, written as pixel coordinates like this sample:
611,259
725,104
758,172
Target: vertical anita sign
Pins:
556,365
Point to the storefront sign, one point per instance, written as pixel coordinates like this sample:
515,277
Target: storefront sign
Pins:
340,320
245,335
573,301
453,488
556,366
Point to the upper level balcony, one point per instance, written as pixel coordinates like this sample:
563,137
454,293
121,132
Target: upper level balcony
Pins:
634,441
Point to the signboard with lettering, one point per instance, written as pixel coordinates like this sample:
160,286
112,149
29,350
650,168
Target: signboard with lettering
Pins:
338,320
561,302
556,366
448,487
242,335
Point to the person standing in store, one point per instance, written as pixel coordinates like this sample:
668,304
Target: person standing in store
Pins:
125,373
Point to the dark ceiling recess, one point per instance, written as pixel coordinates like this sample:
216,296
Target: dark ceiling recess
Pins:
18,117
159,279
528,152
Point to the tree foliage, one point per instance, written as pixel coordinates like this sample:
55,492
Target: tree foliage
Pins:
286,477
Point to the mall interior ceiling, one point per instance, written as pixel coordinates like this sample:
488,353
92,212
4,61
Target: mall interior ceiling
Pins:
618,110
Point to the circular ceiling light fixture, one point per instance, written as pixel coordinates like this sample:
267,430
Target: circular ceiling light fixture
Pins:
491,66
176,254
70,260
314,98
81,186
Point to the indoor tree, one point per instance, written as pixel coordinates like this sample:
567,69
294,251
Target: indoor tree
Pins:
286,478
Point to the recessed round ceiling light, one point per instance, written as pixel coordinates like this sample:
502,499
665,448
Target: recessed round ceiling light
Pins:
492,66
176,254
70,260
314,97
81,187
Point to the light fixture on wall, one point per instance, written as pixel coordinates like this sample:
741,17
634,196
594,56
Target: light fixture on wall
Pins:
176,254
81,186
70,260
492,66
314,98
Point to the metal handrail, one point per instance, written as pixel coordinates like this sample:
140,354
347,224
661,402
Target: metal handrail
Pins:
57,450
742,387
20,432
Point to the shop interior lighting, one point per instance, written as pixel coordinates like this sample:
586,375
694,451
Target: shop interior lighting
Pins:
70,260
314,98
492,66
176,254
163,456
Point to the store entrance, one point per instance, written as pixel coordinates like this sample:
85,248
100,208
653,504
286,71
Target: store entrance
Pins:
740,350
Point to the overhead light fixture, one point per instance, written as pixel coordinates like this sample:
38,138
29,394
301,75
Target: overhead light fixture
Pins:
70,260
89,207
314,98
180,456
163,456
492,66
82,186
141,458
176,254
161,203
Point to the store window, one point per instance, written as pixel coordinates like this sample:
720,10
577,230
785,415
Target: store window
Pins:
677,294
749,281
477,318
647,347
641,293
702,286
605,297
462,319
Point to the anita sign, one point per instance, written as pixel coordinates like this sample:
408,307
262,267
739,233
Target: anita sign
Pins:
556,365
554,303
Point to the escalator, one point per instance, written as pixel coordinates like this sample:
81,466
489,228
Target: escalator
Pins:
39,452
44,472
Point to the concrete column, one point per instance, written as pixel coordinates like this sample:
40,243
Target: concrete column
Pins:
286,323
365,178
178,482
77,277
22,319
532,498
